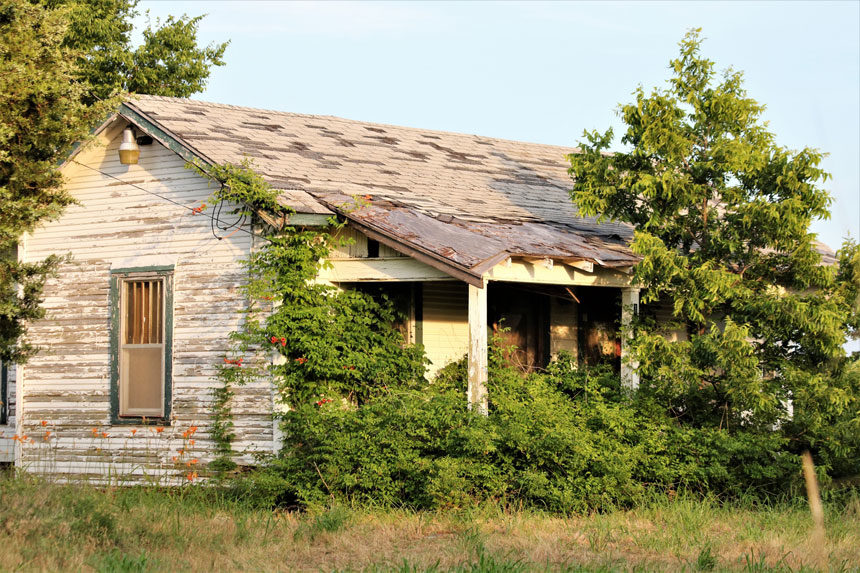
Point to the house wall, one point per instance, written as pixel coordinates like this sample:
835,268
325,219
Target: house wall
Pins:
563,319
445,325
67,384
356,247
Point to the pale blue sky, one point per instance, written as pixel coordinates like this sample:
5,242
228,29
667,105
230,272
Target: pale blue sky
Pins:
542,72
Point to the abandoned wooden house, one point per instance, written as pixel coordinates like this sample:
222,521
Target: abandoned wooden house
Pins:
475,232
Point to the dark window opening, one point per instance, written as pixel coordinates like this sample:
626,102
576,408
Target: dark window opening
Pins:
599,317
519,318
372,249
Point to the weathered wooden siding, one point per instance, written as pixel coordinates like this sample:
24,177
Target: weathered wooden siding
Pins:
445,331
357,246
67,384
563,318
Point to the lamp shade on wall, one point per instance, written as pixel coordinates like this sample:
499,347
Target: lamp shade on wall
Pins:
129,152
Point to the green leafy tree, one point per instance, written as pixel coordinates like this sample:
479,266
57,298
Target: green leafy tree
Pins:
169,62
722,216
63,64
41,115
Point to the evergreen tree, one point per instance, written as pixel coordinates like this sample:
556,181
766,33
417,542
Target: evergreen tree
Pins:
722,216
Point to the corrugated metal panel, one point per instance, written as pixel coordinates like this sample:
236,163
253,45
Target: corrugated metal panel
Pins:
67,383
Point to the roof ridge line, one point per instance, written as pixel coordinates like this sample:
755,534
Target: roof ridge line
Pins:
567,149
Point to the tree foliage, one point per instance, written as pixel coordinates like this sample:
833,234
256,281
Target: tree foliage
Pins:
169,62
41,115
63,64
722,216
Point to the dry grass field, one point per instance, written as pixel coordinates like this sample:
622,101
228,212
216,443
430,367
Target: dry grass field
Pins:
49,527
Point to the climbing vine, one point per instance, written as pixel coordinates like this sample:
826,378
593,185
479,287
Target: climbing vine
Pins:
316,343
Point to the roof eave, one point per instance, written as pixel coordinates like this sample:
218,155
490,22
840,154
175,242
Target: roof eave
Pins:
400,245
163,135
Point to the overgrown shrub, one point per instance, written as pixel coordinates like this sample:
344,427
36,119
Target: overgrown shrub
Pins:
565,440
364,426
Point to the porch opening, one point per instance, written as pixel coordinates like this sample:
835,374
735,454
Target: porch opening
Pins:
535,321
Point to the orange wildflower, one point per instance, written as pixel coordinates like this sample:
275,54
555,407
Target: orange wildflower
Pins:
104,435
191,476
175,458
159,429
191,442
44,423
194,461
47,435
192,429
95,432
133,431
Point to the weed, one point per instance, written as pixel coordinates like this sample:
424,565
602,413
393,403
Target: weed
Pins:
706,560
115,561
489,563
331,520
753,564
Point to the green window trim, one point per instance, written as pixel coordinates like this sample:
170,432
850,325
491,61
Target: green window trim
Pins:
4,394
117,276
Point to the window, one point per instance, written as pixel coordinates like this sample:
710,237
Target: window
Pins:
141,337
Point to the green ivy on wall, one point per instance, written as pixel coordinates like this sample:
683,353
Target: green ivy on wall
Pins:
314,341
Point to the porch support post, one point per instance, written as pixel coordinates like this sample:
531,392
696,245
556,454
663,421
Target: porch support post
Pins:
477,390
629,309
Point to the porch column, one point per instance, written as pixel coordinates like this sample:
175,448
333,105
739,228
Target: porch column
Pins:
629,309
477,390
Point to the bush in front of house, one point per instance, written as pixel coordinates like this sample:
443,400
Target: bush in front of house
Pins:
566,440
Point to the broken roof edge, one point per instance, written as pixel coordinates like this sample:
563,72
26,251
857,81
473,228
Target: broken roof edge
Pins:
414,251
474,275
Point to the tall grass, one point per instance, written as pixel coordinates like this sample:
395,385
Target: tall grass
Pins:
47,526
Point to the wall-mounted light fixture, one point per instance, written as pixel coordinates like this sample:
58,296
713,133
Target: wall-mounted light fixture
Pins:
129,152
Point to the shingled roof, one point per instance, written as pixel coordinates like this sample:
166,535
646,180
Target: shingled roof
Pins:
467,200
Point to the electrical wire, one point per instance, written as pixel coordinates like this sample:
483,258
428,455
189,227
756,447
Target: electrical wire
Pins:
194,210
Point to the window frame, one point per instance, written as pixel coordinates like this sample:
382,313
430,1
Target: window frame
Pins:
117,278
4,394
